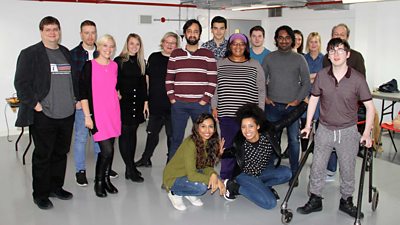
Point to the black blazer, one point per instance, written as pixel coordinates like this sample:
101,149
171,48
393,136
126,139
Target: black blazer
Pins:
32,80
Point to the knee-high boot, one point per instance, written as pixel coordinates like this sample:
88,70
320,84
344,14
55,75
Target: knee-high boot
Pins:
99,183
110,188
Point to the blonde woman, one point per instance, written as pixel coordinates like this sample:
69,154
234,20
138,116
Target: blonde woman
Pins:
101,108
159,104
133,100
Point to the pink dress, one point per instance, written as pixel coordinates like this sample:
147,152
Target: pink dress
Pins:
105,101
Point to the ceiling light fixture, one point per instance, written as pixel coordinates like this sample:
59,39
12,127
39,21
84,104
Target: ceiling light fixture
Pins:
358,1
252,7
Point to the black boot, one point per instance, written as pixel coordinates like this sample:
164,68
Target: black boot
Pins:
348,207
99,182
110,188
133,174
314,204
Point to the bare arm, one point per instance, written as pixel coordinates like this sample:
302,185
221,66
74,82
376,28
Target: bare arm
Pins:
366,137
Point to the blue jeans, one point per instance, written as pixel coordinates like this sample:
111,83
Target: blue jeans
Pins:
332,163
80,139
183,187
180,113
278,112
258,189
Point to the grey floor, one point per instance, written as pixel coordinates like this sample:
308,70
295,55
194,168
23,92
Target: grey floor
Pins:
146,203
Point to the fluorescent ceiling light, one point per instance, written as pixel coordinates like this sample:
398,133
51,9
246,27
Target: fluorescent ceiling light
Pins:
359,1
251,7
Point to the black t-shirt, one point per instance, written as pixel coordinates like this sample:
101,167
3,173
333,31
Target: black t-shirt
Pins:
159,103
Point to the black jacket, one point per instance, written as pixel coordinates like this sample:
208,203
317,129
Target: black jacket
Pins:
270,130
32,80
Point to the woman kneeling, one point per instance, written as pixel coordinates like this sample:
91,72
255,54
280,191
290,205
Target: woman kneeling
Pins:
190,172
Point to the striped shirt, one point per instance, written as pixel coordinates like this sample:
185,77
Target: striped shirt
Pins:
191,77
238,84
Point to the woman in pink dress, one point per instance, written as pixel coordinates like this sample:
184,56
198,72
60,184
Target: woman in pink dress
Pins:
100,105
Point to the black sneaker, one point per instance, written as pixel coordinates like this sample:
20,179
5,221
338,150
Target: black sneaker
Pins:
143,163
113,174
275,194
348,207
314,204
81,178
229,192
43,203
61,194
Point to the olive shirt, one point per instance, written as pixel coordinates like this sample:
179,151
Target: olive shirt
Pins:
184,164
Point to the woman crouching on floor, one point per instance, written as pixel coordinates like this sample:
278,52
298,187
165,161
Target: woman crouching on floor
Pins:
190,172
255,148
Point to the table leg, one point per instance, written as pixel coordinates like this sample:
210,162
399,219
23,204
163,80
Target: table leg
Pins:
27,148
19,137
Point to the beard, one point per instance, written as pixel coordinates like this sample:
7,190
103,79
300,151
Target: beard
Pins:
192,41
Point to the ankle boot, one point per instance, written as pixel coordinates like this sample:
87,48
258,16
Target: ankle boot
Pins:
99,183
348,207
99,188
110,188
314,204
133,174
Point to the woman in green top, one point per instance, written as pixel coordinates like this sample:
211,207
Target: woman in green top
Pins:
190,172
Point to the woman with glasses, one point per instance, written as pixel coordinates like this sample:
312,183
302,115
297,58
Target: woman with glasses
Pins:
159,104
240,80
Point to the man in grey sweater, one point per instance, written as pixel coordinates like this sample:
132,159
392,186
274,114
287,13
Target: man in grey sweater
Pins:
288,83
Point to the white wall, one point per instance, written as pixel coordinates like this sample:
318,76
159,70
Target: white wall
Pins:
374,31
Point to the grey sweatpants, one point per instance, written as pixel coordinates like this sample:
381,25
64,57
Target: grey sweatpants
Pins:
346,142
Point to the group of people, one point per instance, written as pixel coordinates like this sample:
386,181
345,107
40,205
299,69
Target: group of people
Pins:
236,83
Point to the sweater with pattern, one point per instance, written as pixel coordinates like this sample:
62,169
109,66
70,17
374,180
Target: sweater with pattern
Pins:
191,77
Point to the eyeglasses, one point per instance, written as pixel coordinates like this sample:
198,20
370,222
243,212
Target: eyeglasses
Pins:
170,43
339,51
286,38
240,44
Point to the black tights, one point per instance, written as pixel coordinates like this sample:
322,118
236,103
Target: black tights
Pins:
127,144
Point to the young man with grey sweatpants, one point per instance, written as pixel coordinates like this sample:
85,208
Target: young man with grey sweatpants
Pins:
338,88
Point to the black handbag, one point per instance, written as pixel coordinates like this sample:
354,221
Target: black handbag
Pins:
389,87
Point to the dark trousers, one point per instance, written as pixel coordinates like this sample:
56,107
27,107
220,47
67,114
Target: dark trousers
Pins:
127,144
52,139
229,128
156,122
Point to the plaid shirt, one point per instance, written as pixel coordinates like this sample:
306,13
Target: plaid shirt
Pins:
79,56
219,52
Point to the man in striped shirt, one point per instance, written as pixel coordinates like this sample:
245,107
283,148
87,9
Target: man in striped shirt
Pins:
190,82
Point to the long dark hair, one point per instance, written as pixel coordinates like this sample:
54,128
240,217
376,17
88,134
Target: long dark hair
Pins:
212,147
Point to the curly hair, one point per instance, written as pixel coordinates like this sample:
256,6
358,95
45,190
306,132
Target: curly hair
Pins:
207,155
251,110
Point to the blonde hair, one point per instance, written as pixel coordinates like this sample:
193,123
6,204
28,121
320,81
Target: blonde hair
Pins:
103,39
170,34
140,54
310,36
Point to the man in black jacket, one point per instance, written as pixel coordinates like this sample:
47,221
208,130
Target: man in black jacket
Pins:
47,88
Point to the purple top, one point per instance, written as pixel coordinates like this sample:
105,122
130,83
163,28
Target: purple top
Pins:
105,101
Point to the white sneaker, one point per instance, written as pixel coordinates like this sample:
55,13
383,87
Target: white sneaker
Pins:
177,201
329,178
194,200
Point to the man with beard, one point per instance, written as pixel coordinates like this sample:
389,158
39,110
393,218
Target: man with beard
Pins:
190,82
288,83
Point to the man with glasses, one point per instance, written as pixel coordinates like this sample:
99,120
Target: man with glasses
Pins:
190,82
288,83
355,61
338,87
